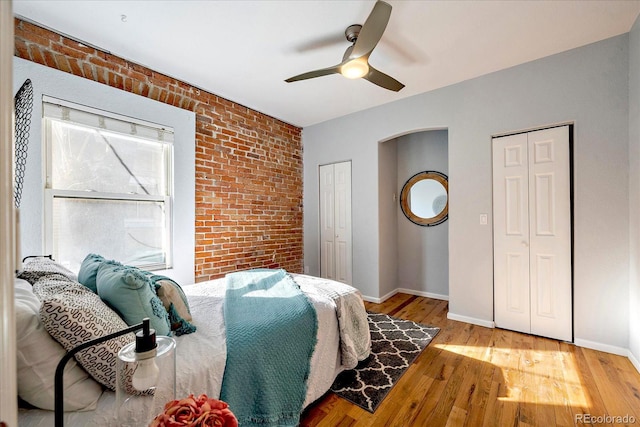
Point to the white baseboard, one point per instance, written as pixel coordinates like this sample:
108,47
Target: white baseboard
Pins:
634,361
381,299
472,320
620,351
423,294
405,291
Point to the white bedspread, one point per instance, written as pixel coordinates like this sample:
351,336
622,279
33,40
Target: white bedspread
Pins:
201,356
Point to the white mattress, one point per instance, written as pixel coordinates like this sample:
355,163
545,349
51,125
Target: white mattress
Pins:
201,356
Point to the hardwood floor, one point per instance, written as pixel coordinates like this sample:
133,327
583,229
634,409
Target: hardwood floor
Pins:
475,376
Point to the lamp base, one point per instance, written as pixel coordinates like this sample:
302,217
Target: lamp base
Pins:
138,407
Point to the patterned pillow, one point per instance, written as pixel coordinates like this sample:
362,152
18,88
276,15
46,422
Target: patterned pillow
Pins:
169,293
37,358
53,284
35,268
176,304
75,315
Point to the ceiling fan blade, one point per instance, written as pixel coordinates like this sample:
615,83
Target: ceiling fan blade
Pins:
381,79
313,74
372,30
320,43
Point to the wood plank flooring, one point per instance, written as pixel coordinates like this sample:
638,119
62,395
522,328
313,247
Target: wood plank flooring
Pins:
475,376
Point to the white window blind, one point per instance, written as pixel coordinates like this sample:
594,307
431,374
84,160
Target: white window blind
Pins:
96,119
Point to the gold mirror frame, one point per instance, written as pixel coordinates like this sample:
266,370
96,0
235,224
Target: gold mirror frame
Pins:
404,198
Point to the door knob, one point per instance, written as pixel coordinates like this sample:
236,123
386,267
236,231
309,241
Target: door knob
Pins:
525,243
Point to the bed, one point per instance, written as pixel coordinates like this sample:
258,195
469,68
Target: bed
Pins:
342,340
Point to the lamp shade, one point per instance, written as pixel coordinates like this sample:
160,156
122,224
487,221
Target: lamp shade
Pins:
145,381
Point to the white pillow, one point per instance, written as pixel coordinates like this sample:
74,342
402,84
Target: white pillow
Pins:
38,357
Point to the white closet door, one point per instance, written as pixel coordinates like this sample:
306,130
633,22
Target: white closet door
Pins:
342,179
550,231
511,233
335,222
532,233
327,224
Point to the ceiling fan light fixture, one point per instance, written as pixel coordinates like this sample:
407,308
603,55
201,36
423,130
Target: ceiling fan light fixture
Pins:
355,69
355,61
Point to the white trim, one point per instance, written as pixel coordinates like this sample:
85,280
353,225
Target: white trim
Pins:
635,362
423,294
94,195
472,320
533,129
8,369
98,112
620,351
405,291
381,299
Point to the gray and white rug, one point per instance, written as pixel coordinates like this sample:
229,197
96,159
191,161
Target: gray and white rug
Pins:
395,344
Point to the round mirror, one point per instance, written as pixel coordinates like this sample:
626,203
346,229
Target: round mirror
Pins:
425,198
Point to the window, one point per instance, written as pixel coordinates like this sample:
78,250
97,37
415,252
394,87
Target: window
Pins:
108,187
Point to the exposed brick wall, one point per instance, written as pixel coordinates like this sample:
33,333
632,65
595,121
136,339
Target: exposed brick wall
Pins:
248,165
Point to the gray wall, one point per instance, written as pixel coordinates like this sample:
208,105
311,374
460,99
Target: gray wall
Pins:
423,252
587,86
57,84
634,192
388,215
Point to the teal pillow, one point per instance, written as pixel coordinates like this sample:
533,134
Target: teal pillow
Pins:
89,270
131,293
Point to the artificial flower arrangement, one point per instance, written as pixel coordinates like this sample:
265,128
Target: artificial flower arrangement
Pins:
195,412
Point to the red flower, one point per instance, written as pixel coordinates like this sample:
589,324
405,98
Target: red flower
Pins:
195,412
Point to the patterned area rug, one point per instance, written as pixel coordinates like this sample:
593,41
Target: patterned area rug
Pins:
395,343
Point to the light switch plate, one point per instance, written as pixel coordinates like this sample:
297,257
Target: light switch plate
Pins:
484,219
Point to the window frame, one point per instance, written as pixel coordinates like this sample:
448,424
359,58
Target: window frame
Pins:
51,193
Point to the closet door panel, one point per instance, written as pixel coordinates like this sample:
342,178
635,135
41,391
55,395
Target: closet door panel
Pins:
550,225
342,173
327,222
335,222
517,298
511,233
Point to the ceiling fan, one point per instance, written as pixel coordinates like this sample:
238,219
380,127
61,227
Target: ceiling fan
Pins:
355,61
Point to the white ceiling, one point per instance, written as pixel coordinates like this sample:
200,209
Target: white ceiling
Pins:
243,50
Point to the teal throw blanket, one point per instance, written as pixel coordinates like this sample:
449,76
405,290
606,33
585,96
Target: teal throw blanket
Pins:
271,332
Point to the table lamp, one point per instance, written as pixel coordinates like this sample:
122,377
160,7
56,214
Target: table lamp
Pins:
145,375
145,378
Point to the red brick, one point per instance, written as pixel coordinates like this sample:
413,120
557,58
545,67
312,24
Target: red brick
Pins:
78,46
73,52
89,71
36,54
75,67
21,49
248,178
63,63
